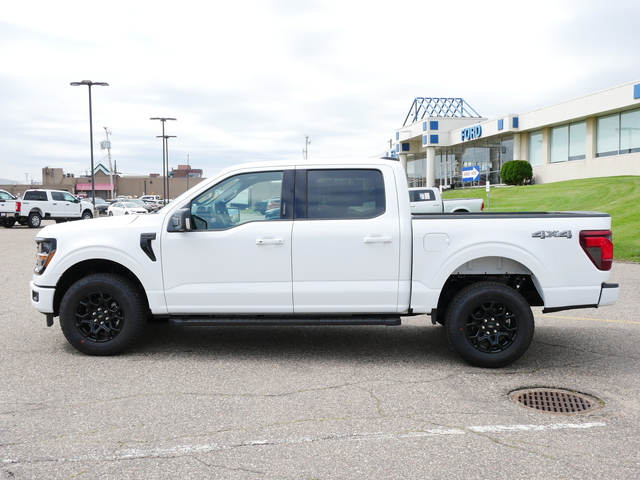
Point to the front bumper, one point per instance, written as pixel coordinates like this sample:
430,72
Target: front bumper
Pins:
42,298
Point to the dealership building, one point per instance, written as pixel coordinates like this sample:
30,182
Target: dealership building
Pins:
443,141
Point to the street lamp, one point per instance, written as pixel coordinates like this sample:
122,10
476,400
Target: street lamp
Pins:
165,148
165,166
89,84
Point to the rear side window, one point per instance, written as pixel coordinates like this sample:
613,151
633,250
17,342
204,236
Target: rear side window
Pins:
421,195
345,194
57,196
35,195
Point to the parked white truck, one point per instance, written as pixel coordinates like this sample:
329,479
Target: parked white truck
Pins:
8,209
429,200
345,249
58,205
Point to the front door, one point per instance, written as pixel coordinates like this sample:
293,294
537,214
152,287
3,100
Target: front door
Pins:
235,260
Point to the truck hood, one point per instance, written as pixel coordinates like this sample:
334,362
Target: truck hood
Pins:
80,227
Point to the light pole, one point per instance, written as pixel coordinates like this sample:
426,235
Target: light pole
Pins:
89,84
165,148
164,155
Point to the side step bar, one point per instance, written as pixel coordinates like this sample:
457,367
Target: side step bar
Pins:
388,320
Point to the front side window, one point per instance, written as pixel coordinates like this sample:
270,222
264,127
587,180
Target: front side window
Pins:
345,194
248,197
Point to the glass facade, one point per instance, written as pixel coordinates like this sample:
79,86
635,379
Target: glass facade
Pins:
489,155
569,142
618,134
535,148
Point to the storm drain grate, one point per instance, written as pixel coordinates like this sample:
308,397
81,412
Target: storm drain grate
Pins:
553,400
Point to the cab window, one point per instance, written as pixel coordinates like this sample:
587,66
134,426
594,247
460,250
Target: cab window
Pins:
249,197
345,194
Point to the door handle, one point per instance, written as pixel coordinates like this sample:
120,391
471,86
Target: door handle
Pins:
379,239
269,241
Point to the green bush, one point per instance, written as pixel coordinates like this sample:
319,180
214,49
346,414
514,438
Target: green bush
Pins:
516,172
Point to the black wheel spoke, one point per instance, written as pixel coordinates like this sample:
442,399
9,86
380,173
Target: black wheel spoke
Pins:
491,327
99,317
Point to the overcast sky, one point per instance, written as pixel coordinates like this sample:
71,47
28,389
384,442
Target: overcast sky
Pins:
248,80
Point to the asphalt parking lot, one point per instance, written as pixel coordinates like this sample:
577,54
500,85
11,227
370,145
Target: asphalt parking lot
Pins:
312,402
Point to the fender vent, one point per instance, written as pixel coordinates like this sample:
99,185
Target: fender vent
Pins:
554,400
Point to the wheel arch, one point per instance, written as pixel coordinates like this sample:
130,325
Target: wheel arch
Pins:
88,267
506,270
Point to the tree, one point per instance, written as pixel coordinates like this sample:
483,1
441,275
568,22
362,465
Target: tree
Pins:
516,172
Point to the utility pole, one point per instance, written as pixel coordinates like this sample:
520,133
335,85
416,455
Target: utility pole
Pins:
305,152
89,84
108,146
165,164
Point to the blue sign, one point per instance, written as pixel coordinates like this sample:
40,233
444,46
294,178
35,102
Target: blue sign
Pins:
470,174
471,133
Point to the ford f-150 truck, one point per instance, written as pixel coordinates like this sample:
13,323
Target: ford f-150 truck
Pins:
51,204
429,200
344,249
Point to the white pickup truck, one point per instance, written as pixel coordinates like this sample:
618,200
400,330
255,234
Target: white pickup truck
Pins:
58,205
344,249
8,209
429,200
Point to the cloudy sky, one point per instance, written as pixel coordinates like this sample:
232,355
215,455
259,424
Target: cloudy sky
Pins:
247,81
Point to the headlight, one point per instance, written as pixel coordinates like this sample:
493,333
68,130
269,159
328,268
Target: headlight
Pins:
45,250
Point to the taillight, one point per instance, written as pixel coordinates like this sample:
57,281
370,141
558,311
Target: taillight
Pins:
18,205
598,245
482,208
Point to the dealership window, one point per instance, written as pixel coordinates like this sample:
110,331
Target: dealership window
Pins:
618,133
578,141
568,142
630,132
607,137
535,148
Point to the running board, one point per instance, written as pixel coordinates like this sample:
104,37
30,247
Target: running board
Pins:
388,320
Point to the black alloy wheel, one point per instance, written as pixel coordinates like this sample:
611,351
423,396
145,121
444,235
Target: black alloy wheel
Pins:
489,324
102,314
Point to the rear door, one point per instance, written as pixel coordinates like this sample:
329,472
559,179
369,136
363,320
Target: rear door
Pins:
346,241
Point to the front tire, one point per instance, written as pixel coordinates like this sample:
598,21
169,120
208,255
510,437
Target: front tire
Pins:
102,314
489,324
87,215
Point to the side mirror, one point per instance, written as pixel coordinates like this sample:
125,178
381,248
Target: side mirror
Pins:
234,214
180,221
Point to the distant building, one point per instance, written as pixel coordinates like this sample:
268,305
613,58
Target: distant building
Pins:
133,186
443,140
184,171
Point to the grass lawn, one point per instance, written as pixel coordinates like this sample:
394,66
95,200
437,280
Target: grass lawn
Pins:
617,196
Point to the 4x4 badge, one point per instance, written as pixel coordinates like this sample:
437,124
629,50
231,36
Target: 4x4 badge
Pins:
542,234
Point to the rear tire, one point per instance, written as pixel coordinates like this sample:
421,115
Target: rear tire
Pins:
8,222
489,324
34,220
102,314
